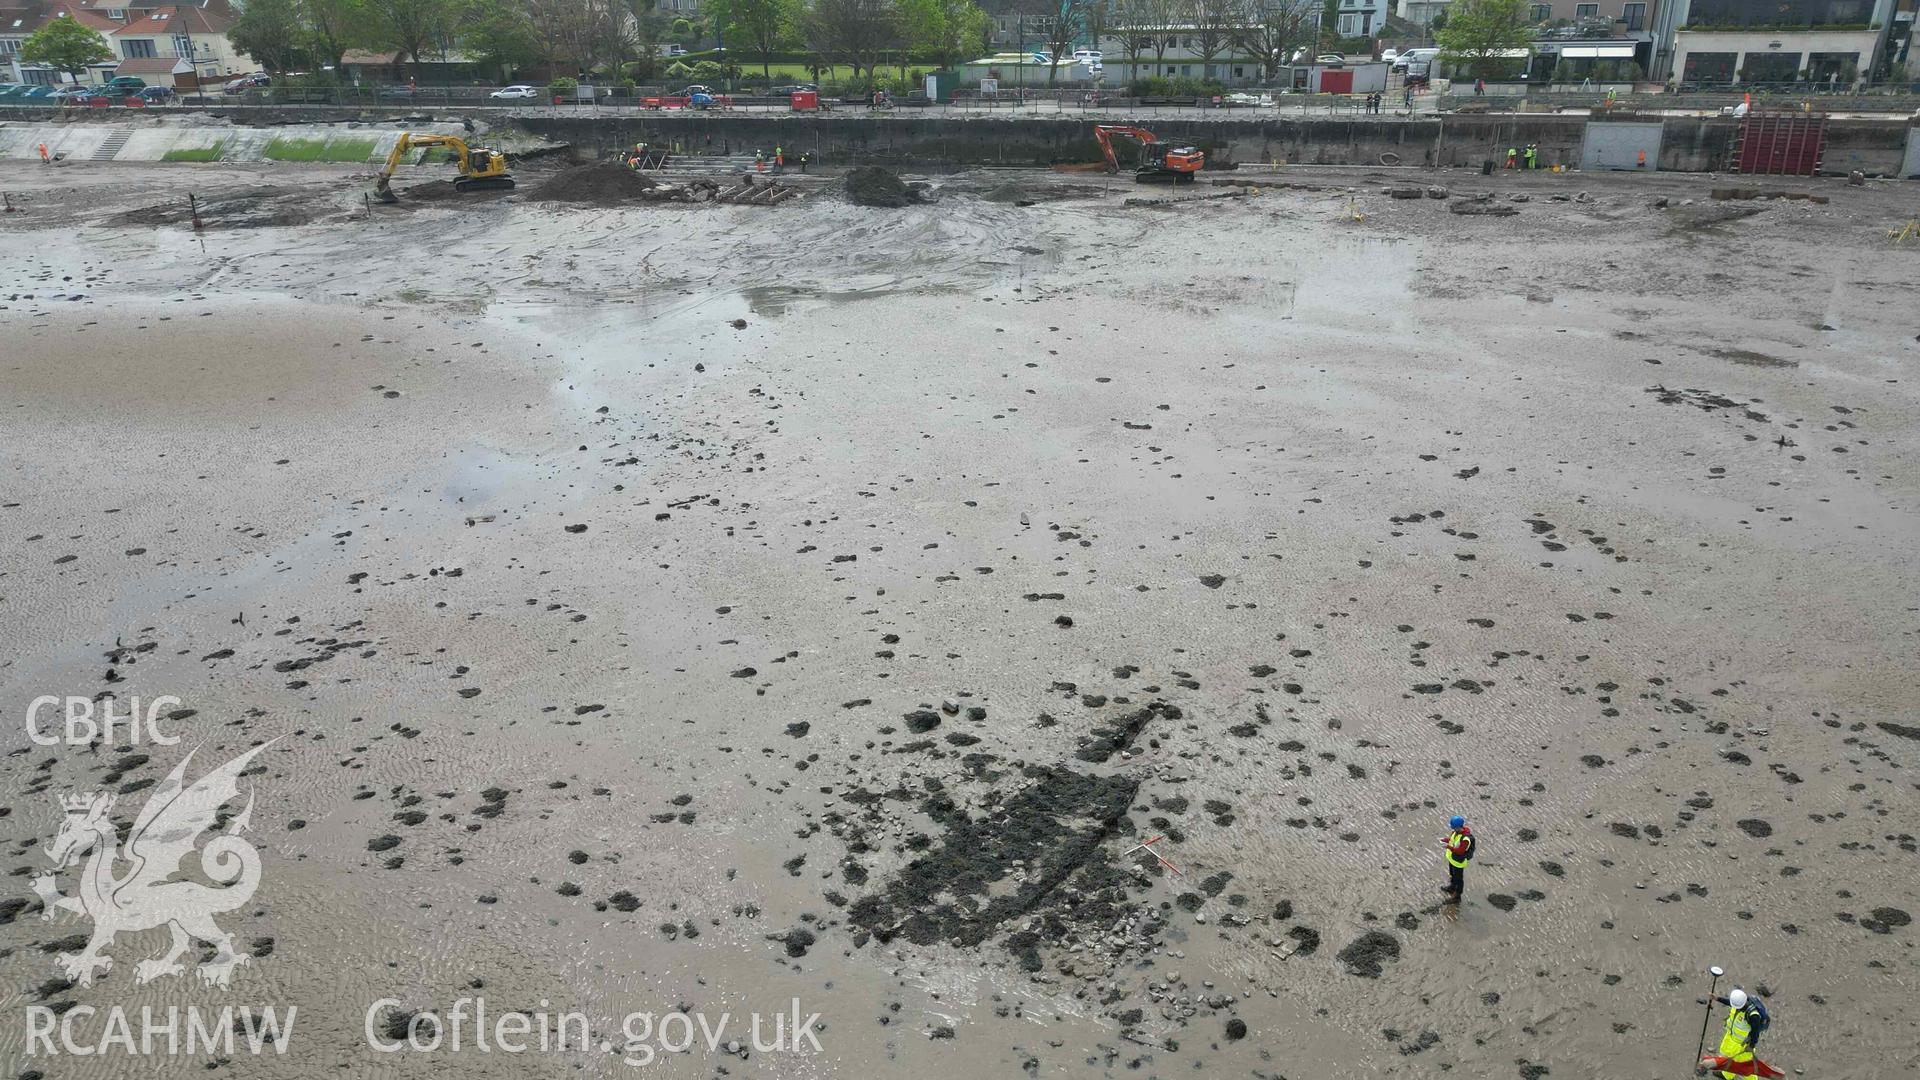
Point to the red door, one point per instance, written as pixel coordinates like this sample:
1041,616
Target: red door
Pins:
1336,82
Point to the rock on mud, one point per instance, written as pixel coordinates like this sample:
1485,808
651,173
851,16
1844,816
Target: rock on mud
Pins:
1364,954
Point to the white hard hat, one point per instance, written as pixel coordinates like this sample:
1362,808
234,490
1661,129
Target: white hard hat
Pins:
1737,999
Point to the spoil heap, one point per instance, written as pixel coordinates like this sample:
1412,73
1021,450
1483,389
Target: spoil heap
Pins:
602,184
871,185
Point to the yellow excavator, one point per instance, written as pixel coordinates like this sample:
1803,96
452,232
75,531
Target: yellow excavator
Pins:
481,168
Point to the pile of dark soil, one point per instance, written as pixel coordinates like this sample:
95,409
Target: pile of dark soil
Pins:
871,185
437,190
602,184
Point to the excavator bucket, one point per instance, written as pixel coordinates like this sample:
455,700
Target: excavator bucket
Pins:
383,190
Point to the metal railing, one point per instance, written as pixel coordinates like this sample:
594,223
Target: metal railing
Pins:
1893,100
320,101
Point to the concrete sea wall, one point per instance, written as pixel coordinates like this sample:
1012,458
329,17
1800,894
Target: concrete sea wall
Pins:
1691,144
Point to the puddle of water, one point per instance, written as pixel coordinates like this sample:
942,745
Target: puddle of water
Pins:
776,300
1357,284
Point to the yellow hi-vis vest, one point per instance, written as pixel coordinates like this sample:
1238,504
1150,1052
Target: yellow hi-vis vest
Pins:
1738,1032
1733,1044
1452,842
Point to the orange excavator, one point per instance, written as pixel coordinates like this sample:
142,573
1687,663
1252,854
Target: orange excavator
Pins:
1159,163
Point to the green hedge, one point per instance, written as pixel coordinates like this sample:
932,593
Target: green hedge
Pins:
1182,87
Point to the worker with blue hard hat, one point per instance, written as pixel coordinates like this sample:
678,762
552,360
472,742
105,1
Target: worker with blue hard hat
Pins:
1460,844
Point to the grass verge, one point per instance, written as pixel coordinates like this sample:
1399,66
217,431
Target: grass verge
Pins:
319,150
203,153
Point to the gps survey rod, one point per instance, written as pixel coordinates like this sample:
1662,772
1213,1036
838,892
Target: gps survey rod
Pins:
1708,1018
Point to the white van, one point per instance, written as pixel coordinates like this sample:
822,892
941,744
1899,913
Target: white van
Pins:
1423,57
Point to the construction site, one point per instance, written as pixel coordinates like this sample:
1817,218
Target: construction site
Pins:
1042,617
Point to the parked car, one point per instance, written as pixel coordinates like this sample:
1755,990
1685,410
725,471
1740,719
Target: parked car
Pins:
34,93
125,86
515,93
1087,56
248,82
796,88
404,93
68,93
1389,55
158,95
1332,59
675,50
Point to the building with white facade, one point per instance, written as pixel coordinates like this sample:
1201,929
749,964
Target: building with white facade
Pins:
1361,18
173,45
1815,42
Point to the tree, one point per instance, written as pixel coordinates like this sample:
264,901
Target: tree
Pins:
856,33
1212,22
411,27
66,45
613,38
560,29
270,32
1481,33
948,31
1070,17
332,27
1162,15
498,35
1134,29
759,27
1273,30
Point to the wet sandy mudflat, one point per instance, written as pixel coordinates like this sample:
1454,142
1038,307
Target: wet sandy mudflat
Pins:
704,607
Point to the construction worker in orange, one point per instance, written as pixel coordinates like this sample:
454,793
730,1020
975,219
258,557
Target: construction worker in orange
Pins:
1460,844
45,158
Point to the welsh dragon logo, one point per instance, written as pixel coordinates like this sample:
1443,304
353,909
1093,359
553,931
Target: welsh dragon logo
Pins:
153,890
